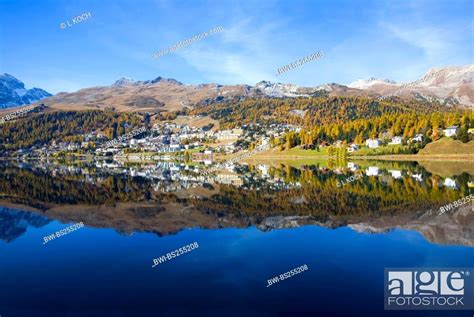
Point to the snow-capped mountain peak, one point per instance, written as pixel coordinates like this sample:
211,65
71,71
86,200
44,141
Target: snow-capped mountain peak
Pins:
366,83
449,76
279,89
450,85
13,92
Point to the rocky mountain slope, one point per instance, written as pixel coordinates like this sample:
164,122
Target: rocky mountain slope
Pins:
13,92
162,94
453,228
152,95
449,85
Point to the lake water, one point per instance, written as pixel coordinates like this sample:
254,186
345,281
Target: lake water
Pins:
252,223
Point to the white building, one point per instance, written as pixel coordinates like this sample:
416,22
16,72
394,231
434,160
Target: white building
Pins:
395,174
417,138
263,169
229,134
372,143
174,147
396,140
449,182
229,178
372,171
450,131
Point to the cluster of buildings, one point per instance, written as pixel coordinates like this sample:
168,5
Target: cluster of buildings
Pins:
375,143
164,139
171,137
90,141
398,174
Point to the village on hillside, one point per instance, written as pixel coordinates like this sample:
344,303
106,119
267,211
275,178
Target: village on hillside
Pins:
170,141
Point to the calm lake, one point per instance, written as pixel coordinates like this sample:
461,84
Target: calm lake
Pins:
346,222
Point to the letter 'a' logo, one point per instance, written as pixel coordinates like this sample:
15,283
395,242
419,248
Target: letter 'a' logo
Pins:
400,283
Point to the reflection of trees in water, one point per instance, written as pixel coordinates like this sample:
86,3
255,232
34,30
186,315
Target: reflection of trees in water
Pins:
318,195
22,184
309,190
13,223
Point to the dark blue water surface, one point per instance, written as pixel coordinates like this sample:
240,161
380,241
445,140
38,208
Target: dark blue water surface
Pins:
99,272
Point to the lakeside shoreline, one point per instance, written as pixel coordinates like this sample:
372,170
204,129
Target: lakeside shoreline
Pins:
395,157
276,157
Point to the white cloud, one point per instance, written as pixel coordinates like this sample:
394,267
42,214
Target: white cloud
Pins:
241,53
437,45
434,41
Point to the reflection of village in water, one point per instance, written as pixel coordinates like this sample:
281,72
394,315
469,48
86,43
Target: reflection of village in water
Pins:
175,176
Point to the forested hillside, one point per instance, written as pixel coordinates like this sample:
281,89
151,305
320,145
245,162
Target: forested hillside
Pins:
310,111
64,126
406,125
328,119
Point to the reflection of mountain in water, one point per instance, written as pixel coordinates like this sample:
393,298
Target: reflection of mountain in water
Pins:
283,197
456,228
13,223
453,228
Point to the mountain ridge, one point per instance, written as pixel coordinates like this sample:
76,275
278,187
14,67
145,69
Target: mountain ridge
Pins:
450,86
13,92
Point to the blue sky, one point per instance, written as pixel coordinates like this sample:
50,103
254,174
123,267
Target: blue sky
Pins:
399,40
